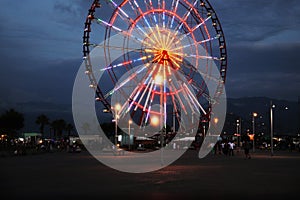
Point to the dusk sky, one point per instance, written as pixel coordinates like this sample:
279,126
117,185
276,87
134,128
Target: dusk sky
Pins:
41,48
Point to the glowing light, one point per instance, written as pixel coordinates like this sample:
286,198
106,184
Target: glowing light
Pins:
117,107
154,121
251,137
159,79
216,120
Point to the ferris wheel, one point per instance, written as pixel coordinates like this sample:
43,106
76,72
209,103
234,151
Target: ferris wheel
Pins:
167,51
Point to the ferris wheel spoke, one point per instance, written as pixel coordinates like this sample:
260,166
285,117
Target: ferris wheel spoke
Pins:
204,74
192,30
120,85
134,95
135,7
129,62
174,10
149,83
130,99
179,98
146,81
148,95
190,101
199,90
187,96
195,43
149,7
126,17
194,98
183,20
191,95
119,30
122,48
115,5
150,104
163,17
186,15
198,56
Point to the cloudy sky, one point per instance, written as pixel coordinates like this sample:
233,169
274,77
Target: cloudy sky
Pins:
41,48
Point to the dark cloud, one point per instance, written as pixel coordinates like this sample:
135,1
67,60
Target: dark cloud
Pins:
260,70
41,47
263,46
50,83
256,20
71,13
264,58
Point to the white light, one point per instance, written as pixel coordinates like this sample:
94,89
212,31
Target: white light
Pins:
117,107
119,138
154,121
159,79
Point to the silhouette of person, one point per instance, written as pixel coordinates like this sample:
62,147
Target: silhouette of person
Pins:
246,149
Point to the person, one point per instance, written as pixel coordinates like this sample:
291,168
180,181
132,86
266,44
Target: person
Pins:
246,149
225,147
231,148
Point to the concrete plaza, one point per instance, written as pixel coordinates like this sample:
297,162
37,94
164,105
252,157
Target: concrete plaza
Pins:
63,175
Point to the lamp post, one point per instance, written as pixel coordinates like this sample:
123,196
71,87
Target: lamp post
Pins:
271,128
272,106
253,130
116,108
129,123
237,132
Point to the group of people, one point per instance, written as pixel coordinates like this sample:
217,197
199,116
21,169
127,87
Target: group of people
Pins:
224,147
227,147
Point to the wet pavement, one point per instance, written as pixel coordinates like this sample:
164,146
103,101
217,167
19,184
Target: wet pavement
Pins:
63,175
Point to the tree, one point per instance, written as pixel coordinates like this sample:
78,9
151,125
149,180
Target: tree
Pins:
42,120
11,121
69,129
58,127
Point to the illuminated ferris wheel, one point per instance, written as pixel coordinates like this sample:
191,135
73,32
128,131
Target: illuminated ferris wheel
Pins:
166,51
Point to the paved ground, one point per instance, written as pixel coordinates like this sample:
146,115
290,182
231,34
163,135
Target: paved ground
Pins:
79,176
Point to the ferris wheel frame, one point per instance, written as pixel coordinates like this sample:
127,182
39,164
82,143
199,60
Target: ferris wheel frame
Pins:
202,5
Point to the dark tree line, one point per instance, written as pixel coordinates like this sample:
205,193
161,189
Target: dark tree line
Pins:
58,125
12,121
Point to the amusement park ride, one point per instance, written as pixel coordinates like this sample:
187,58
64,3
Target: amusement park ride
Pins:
168,49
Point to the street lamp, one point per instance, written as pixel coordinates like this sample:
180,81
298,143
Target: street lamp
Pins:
216,120
116,108
129,123
238,132
272,106
253,129
271,128
154,121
